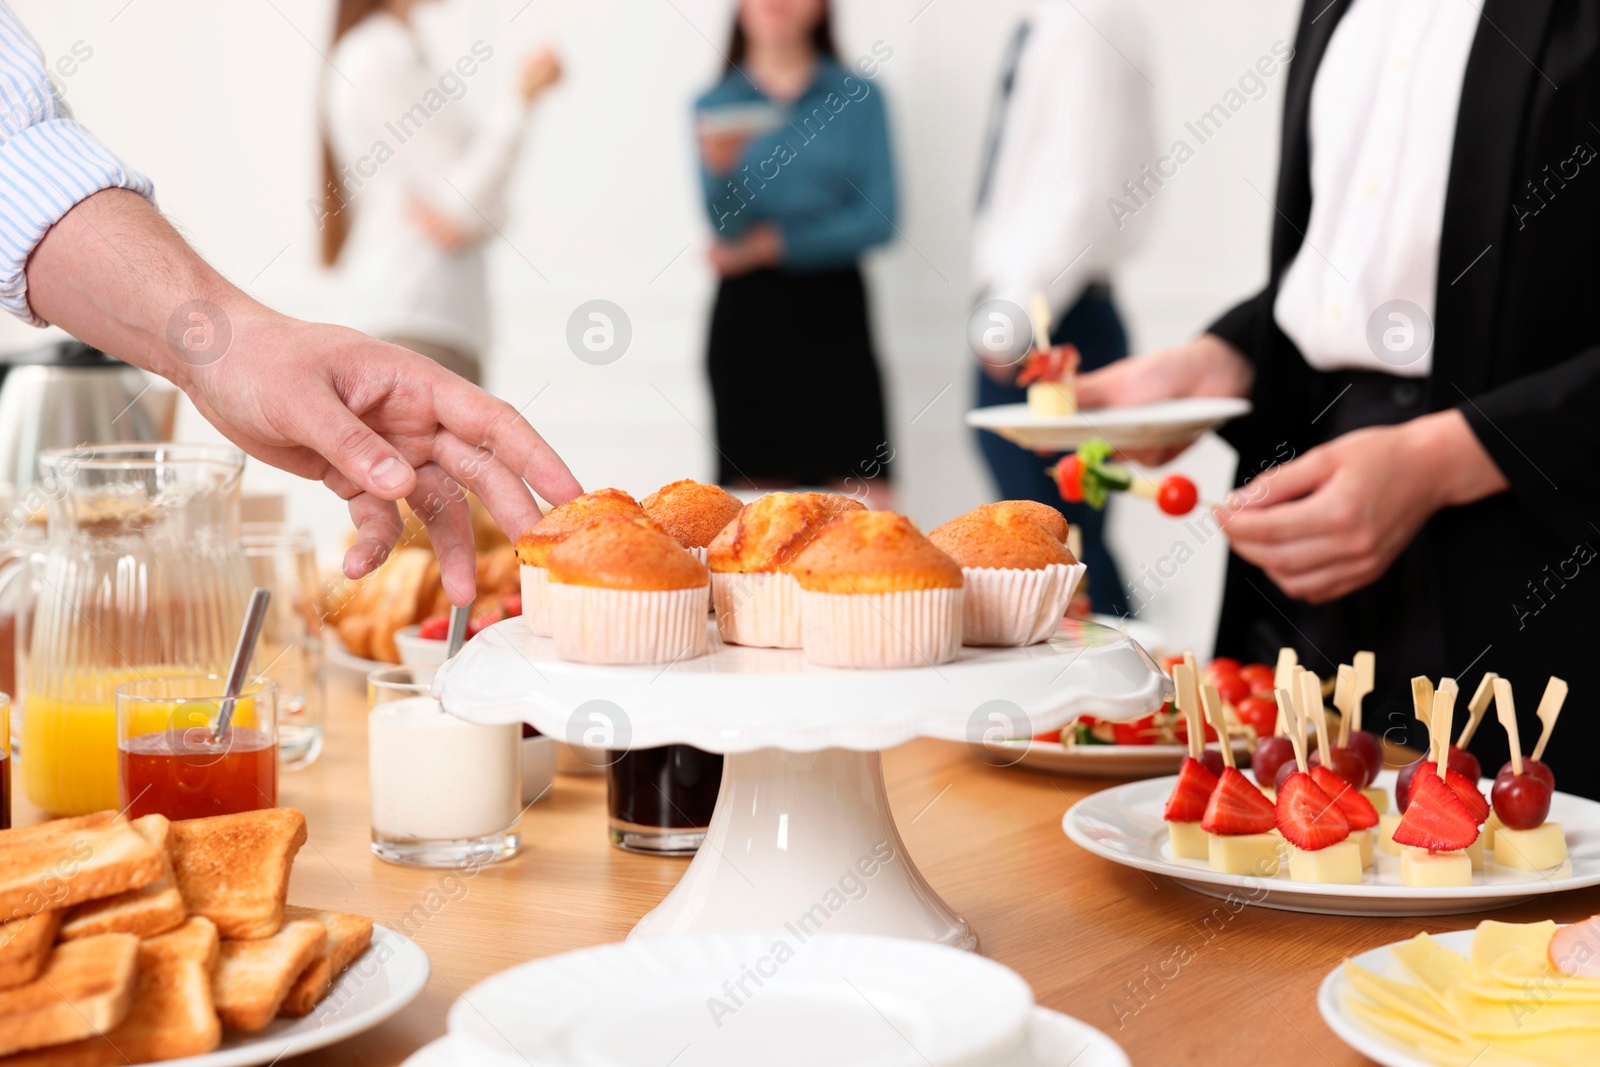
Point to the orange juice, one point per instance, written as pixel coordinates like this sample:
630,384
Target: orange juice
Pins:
69,741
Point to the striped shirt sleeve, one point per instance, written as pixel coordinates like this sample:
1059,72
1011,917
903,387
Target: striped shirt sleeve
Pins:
48,162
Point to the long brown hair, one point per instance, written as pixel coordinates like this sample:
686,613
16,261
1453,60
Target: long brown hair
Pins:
335,223
821,38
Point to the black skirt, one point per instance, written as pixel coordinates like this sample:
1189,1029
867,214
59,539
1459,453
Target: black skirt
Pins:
794,381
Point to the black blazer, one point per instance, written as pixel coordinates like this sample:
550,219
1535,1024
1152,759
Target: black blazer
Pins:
1516,349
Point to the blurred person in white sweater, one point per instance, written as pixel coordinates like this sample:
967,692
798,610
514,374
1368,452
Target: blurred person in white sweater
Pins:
415,177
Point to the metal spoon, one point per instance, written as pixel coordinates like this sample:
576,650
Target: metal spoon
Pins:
255,613
458,629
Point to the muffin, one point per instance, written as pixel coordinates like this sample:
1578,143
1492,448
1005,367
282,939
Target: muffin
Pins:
756,601
876,593
535,545
624,591
1043,514
1019,576
692,512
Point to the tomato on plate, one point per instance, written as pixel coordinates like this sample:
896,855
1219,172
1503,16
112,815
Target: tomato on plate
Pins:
1260,676
1139,732
1231,687
1222,665
1259,713
1053,736
1171,663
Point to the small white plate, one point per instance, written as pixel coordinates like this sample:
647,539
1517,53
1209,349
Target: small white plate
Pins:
1169,423
1058,1041
781,999
1097,761
1124,825
348,663
382,981
1380,1047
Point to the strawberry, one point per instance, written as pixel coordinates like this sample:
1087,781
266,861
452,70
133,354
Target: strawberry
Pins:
1237,807
1357,809
1309,818
1191,793
1464,788
1437,819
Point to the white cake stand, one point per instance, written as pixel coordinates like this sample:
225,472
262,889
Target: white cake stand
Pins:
802,837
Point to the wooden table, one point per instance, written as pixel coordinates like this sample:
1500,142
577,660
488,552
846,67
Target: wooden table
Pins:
1173,976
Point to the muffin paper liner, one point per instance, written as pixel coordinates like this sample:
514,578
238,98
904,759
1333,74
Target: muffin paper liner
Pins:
700,554
1012,606
536,600
915,628
594,625
758,608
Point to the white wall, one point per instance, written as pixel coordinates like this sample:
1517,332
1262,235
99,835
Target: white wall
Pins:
216,103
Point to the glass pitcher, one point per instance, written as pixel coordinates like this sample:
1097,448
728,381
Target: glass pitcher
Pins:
140,576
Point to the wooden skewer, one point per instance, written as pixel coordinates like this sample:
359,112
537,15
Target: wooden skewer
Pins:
1444,707
1188,690
1192,663
1039,312
1366,665
1422,698
1506,711
1213,705
1482,697
1344,698
1311,708
1283,678
1555,694
1297,731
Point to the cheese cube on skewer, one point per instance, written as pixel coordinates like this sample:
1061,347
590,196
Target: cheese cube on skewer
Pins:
1424,869
1189,842
1256,854
1386,827
1338,864
1540,849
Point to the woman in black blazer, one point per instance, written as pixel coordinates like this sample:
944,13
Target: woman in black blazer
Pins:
1450,522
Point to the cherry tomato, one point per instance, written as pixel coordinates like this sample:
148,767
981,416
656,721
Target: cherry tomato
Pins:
1139,732
1260,676
434,628
1258,713
1233,688
513,605
1069,478
1176,495
1181,729
1223,665
1170,663
1054,737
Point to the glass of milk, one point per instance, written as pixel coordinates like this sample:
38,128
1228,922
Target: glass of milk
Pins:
445,792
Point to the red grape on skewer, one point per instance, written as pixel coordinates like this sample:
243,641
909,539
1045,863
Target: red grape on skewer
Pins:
1344,762
1211,760
1465,764
1521,800
1537,768
1365,744
1270,754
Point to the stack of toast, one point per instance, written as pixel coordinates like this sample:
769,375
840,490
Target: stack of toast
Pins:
131,942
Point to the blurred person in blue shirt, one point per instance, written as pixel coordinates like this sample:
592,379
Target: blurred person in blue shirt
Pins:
798,181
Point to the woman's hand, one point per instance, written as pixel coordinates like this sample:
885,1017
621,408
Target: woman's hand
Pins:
439,227
761,246
540,69
1334,520
722,151
1205,366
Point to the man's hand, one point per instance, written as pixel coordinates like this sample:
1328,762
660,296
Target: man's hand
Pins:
375,422
1334,520
1205,366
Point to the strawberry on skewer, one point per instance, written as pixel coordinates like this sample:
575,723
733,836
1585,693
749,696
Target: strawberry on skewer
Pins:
1309,819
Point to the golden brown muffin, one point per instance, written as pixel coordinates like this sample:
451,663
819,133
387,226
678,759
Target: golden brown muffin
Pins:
873,552
769,534
619,553
691,511
1052,520
1012,540
534,546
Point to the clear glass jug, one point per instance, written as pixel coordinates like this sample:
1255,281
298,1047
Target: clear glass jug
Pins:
141,576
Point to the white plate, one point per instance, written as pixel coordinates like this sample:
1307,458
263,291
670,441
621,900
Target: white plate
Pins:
780,999
1169,423
1124,825
1381,1047
1058,1041
1100,761
738,699
382,980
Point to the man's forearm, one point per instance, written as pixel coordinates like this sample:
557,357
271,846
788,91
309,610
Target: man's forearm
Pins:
114,273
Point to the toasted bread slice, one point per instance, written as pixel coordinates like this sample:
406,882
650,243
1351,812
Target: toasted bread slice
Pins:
84,990
171,1016
145,912
234,869
25,945
253,977
348,937
68,861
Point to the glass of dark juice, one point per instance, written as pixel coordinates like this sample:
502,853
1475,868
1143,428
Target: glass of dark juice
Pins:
660,800
5,762
176,757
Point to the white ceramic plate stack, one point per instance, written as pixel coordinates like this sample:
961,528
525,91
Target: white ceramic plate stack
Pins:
1124,825
780,1000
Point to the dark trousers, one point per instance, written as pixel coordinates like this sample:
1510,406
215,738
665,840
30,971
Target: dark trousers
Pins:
1095,327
